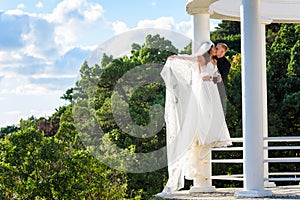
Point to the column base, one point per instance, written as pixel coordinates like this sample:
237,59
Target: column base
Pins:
268,184
253,193
197,189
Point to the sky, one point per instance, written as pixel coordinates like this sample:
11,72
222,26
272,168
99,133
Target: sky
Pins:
43,43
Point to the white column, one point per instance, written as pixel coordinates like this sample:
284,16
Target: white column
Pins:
264,22
252,87
201,27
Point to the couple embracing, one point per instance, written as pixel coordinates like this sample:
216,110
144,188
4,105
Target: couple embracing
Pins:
194,110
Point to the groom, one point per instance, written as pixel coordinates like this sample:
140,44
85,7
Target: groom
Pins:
223,66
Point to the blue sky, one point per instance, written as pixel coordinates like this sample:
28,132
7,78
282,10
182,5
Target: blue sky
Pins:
44,42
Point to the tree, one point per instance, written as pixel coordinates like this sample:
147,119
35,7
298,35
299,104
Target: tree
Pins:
7,130
38,167
68,95
106,60
31,121
187,49
226,28
283,78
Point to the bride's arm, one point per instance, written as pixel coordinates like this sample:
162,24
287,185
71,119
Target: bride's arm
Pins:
184,57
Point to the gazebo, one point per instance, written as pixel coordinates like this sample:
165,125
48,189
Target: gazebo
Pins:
254,15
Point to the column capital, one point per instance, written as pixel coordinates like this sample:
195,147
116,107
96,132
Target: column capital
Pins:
193,10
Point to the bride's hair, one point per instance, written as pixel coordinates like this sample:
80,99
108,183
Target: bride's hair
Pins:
207,56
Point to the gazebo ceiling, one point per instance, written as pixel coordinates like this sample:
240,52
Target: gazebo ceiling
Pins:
278,11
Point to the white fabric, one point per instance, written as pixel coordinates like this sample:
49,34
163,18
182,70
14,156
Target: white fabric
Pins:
194,118
204,47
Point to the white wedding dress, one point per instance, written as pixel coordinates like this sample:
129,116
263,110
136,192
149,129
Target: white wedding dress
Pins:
194,118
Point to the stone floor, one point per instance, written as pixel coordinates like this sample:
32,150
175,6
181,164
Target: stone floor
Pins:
282,192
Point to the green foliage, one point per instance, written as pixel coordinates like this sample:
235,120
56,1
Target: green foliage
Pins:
272,28
155,50
187,49
106,60
287,37
234,98
271,33
31,121
7,130
294,65
226,28
68,95
37,167
283,82
160,44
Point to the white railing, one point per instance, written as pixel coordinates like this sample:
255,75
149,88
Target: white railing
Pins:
292,176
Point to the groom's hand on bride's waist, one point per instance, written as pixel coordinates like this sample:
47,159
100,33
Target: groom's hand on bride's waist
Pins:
206,78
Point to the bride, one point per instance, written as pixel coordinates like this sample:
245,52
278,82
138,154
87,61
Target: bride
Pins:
194,116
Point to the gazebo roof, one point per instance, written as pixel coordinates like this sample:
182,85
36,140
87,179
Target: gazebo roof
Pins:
277,11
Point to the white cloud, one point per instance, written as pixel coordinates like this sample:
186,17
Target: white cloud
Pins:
66,35
21,6
184,27
93,13
119,27
71,19
40,40
47,36
14,12
41,84
56,76
7,57
18,84
65,11
39,5
36,76
80,10
33,89
162,22
38,58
